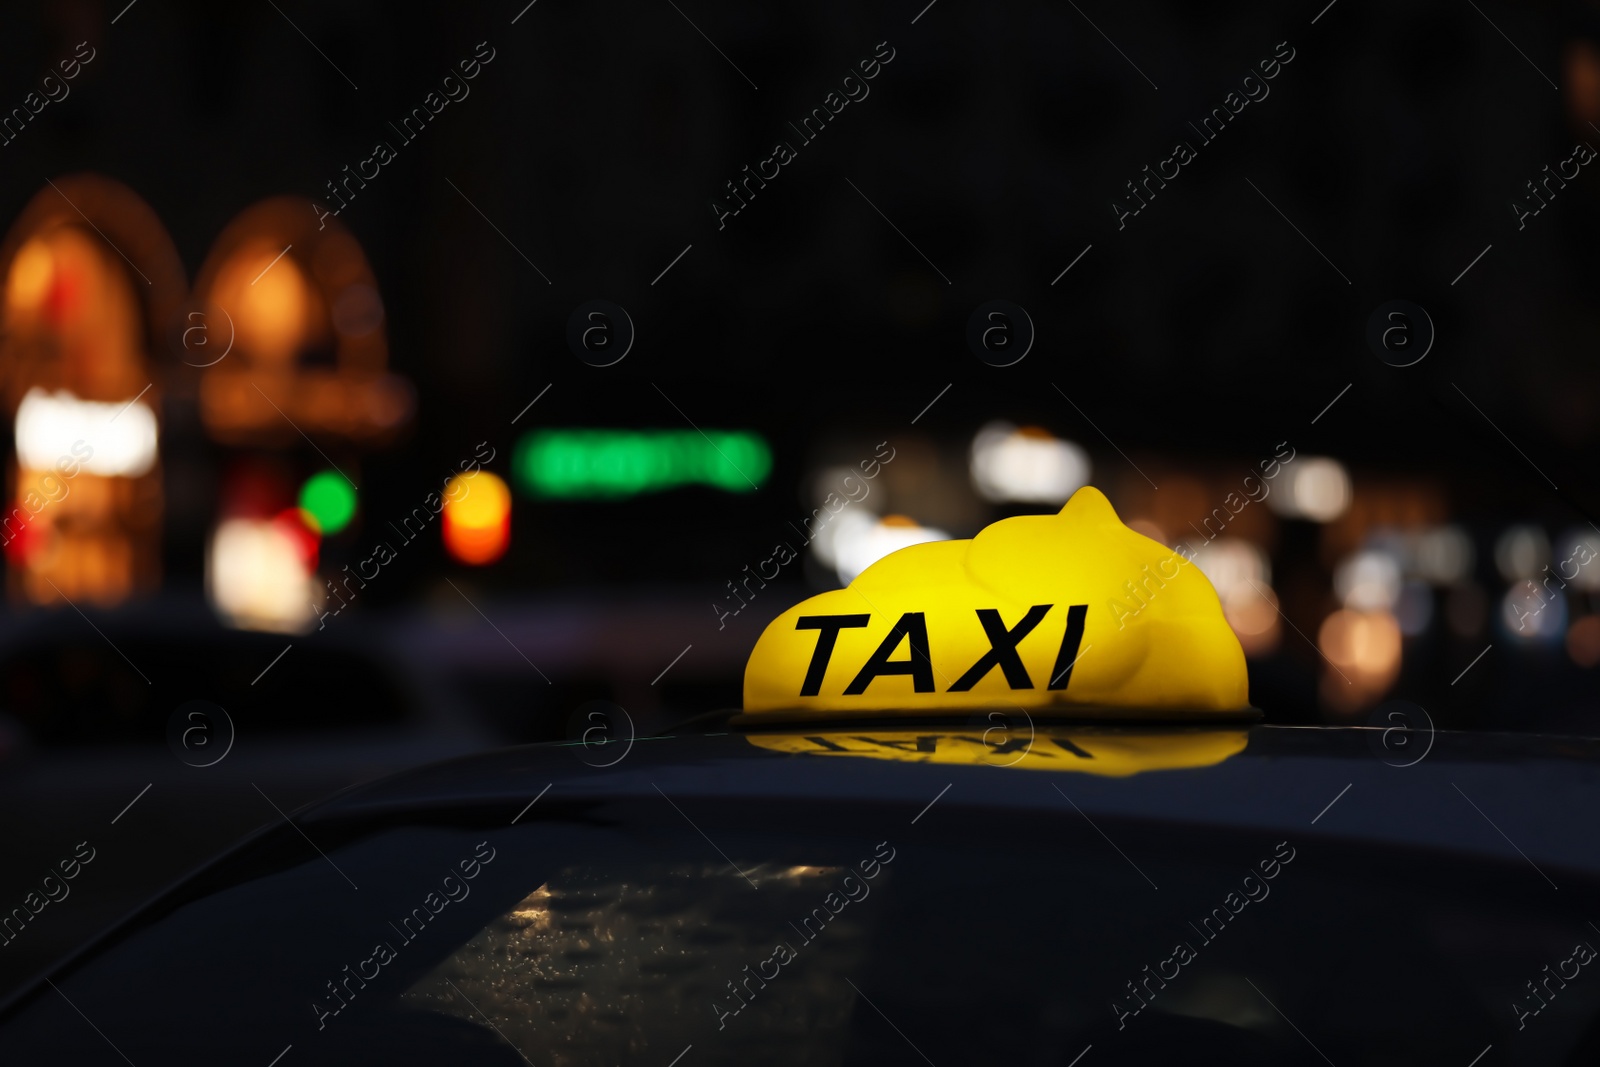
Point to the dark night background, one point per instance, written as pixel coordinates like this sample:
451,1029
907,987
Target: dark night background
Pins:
1196,338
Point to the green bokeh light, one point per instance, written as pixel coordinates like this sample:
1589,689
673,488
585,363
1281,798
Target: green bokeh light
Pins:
613,464
330,500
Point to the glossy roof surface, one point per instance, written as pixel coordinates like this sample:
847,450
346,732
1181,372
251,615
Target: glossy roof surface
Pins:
1498,795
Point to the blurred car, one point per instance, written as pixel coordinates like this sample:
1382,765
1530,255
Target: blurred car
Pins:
67,682
831,891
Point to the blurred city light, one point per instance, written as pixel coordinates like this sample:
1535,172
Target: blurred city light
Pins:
858,546
613,464
279,293
1231,563
293,524
1027,465
1521,552
118,438
1242,577
1368,581
330,500
848,527
1318,489
1583,641
273,306
1364,648
79,326
259,575
477,517
1252,612
1579,558
32,273
1442,555
1531,612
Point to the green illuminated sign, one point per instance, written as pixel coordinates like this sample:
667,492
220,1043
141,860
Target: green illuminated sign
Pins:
611,464
330,501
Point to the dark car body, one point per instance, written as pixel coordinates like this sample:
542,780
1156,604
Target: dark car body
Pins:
903,892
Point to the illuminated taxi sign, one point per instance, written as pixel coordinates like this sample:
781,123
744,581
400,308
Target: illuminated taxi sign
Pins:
1071,612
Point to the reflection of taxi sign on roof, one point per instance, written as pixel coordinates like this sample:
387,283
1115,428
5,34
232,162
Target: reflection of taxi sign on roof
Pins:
1107,751
1068,613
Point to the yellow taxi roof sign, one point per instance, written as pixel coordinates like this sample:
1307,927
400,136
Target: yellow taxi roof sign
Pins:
1072,613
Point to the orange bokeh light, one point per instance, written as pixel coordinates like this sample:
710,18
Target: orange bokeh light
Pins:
477,518
1363,647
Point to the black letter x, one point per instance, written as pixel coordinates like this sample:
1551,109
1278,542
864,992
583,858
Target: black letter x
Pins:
1002,649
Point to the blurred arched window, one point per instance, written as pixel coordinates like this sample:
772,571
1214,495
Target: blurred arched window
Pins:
309,348
91,283
295,380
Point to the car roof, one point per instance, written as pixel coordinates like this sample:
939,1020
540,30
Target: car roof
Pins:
1493,795
1507,800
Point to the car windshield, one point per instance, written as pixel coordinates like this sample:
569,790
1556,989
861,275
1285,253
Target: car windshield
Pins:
827,934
